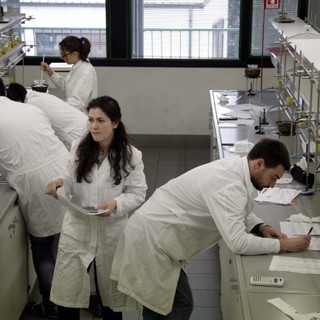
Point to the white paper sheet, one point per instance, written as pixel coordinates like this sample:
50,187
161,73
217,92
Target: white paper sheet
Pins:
291,312
246,107
277,195
293,229
65,200
299,228
297,265
245,122
239,114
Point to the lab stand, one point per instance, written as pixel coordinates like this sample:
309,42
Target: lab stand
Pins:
296,59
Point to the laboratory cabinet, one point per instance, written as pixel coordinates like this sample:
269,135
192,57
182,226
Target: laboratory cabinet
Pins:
230,295
13,264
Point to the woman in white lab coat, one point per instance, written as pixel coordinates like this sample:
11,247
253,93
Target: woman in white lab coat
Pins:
105,172
81,84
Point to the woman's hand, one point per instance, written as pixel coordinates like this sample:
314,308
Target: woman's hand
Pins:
110,206
52,187
46,68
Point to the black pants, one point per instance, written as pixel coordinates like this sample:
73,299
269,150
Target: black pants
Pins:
74,314
182,304
65,313
43,255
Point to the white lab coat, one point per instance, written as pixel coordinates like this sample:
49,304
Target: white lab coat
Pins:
30,156
84,238
79,86
68,122
184,217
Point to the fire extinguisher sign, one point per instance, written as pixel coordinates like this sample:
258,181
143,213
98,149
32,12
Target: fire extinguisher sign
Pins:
271,4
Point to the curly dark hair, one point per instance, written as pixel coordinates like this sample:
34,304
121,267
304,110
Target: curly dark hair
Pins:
120,151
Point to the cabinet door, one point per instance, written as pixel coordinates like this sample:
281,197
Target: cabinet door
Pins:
13,265
230,294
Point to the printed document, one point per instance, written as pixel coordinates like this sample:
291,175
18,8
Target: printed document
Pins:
277,195
65,200
297,265
299,228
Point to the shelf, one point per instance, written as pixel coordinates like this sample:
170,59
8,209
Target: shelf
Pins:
14,54
14,21
297,61
11,58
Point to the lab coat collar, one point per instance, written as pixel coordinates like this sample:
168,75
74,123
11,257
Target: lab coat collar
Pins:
247,177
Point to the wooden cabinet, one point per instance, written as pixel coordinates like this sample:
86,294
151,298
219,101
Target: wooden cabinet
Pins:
13,265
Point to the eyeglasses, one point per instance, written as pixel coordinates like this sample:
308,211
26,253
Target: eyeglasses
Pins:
64,55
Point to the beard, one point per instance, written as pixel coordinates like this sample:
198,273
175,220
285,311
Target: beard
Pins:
256,181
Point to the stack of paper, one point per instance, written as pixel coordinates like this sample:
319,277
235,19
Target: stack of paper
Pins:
277,195
299,228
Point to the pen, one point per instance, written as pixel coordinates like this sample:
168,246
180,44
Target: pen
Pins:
310,231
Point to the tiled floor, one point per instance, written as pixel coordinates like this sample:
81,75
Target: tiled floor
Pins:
161,165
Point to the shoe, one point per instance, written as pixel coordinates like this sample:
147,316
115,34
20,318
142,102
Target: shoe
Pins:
38,309
94,306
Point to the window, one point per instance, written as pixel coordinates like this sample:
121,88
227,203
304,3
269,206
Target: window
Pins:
155,32
77,17
189,29
314,13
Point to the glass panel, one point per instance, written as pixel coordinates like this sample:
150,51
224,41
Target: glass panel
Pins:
270,34
76,17
194,29
314,13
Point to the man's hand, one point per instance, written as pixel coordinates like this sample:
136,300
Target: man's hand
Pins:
270,232
295,244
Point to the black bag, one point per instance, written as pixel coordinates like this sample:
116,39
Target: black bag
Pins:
301,176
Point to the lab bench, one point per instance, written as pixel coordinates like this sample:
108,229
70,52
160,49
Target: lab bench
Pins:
239,299
15,261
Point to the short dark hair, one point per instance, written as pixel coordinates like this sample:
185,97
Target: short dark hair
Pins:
16,92
273,152
2,88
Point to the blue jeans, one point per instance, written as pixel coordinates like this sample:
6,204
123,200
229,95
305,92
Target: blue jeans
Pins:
43,256
182,304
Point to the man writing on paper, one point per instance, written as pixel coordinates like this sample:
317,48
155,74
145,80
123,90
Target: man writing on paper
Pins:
188,215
